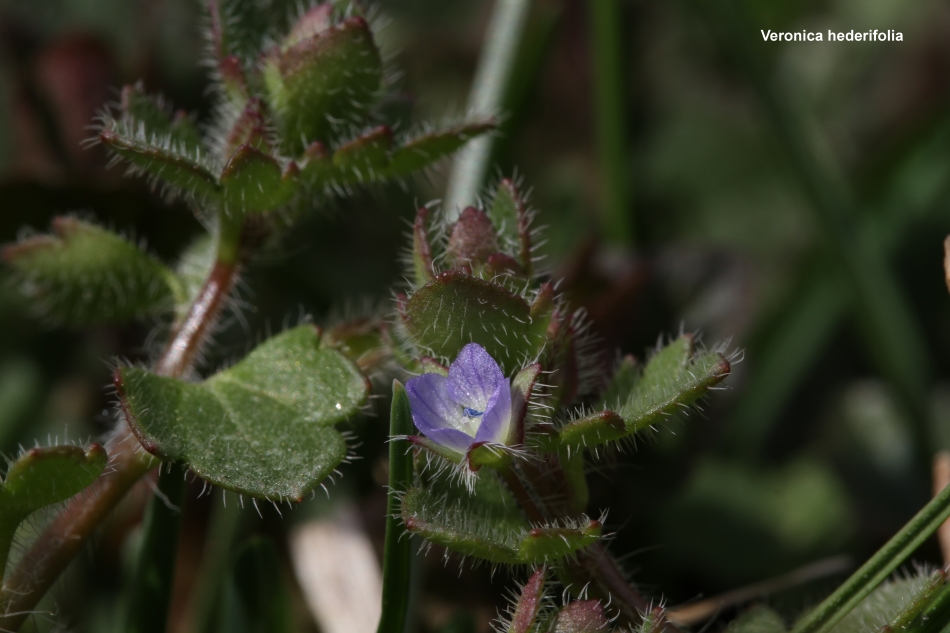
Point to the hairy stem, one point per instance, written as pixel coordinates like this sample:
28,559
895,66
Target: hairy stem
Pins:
65,536
595,566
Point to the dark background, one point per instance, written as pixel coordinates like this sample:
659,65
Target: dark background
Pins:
809,453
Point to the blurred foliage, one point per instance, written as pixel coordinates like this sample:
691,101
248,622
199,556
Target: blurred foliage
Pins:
813,452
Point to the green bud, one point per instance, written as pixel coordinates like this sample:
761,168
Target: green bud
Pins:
321,84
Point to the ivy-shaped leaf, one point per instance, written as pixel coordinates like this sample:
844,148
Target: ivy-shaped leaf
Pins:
264,427
42,477
84,274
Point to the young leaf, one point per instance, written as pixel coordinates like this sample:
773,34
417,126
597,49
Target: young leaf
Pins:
622,384
264,427
317,85
758,619
85,274
456,309
163,164
673,379
422,151
42,477
498,538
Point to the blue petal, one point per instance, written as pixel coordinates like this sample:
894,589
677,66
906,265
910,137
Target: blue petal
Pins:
496,423
474,378
434,412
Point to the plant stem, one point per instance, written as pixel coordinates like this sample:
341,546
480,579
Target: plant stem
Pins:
397,554
594,565
486,97
607,60
878,567
65,536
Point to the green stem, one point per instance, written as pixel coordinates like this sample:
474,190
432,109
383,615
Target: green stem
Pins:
878,567
397,554
609,124
152,584
486,97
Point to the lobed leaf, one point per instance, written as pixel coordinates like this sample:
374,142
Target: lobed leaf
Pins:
85,274
264,427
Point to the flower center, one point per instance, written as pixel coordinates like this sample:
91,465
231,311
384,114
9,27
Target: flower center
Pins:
468,412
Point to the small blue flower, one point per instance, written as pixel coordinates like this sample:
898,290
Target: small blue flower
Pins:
472,405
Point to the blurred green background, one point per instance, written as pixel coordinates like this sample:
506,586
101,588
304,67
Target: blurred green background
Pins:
791,196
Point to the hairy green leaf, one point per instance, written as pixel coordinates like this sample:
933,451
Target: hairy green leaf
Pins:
422,151
264,427
42,477
320,85
456,309
83,274
510,217
490,534
163,163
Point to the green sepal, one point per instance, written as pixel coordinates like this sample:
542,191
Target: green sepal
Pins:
163,164
331,76
40,478
437,449
490,455
422,265
521,387
493,533
263,427
364,158
422,151
509,214
674,378
84,274
252,182
456,309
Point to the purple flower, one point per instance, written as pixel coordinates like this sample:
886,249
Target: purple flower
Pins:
471,405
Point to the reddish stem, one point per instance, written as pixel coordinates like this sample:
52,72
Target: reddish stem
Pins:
128,462
594,565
